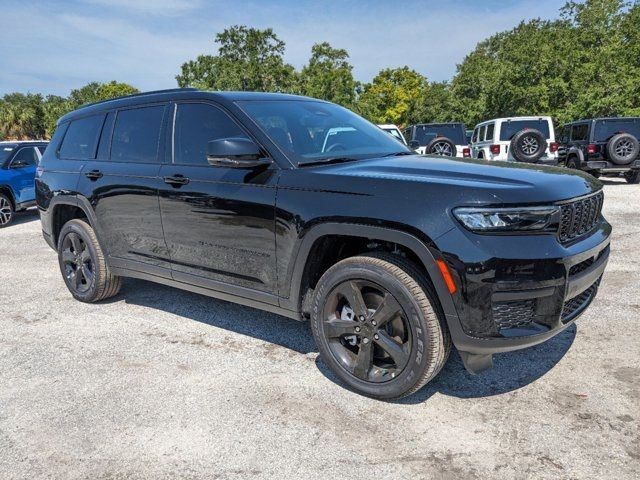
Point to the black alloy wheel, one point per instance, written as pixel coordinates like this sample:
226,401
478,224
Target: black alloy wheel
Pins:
378,326
367,330
77,263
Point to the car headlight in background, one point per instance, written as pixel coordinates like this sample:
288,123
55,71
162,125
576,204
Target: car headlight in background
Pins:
508,219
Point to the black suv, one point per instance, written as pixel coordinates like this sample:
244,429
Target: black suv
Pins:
251,198
602,146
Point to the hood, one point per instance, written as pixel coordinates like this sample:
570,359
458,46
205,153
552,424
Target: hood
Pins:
509,182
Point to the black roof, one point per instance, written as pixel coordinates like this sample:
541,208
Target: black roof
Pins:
177,94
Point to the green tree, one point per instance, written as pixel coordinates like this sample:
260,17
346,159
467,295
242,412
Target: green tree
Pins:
393,96
21,117
96,92
248,59
328,75
435,105
53,108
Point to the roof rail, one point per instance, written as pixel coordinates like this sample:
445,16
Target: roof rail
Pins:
141,94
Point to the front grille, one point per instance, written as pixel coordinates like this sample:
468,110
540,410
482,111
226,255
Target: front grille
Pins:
578,303
579,217
513,314
582,266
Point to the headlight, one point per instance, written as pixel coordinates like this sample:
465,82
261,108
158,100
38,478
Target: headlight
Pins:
508,219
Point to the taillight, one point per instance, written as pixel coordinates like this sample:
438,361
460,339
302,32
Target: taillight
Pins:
553,147
466,152
592,149
495,149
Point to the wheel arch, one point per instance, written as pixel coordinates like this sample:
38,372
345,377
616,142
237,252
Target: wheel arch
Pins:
65,208
423,254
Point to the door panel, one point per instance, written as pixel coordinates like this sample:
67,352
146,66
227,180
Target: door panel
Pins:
24,177
219,227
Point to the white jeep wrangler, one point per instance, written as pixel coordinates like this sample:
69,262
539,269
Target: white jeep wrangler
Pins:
519,139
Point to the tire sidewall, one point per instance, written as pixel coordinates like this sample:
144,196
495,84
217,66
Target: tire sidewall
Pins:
516,146
418,359
79,227
614,157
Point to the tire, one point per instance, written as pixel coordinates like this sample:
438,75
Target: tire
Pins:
632,176
441,146
528,145
623,148
341,335
78,245
572,163
6,211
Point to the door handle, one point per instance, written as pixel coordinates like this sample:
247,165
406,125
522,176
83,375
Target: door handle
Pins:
93,174
176,180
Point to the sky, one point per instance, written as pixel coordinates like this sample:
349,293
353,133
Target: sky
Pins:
52,47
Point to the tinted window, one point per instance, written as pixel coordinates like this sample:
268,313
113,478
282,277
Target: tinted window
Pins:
136,135
308,131
27,155
82,137
6,151
42,148
490,129
579,132
605,129
474,138
454,132
509,128
481,133
196,125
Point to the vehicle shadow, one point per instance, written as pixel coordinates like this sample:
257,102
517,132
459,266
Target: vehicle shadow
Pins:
511,370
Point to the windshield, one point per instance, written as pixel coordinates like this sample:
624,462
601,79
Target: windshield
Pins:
453,131
394,132
309,131
510,127
605,129
5,151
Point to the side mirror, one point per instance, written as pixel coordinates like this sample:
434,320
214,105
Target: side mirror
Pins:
413,144
19,164
235,153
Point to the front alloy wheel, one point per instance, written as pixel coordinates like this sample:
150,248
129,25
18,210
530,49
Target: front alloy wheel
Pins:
377,325
6,211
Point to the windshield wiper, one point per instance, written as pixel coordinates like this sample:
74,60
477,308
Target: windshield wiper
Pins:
325,161
398,154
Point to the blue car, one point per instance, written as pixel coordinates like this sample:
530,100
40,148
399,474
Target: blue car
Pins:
18,162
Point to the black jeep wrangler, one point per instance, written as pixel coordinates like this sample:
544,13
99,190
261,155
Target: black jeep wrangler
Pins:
602,146
255,198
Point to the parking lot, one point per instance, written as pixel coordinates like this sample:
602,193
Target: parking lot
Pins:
161,383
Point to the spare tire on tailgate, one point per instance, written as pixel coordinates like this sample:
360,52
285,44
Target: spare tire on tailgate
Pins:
623,148
441,146
528,145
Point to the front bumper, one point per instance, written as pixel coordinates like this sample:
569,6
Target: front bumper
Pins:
518,291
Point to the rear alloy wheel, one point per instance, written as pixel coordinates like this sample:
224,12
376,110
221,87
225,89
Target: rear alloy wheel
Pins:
83,265
376,326
6,210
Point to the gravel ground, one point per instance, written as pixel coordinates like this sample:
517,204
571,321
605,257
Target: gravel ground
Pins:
161,383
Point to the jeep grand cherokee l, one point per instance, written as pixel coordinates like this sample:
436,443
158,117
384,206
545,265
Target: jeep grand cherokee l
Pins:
602,146
391,258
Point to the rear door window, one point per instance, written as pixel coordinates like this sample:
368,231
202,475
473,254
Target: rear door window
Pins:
579,132
136,134
481,133
81,139
490,129
510,128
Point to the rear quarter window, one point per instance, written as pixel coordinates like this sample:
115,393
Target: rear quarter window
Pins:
509,128
81,138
